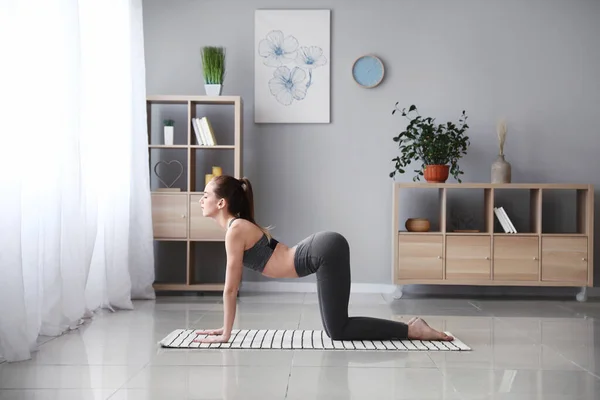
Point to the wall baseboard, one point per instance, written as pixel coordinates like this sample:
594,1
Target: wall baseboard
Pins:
311,287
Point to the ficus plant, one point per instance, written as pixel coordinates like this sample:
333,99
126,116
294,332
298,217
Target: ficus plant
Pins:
432,144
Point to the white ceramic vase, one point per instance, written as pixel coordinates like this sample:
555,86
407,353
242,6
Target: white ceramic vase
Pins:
169,135
213,89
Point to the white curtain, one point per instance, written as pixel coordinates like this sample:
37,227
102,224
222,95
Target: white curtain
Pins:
75,214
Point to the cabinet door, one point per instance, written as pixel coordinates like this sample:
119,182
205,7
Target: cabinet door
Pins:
169,216
564,259
420,257
468,258
203,228
516,258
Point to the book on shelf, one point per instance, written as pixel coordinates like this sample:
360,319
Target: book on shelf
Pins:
203,131
506,223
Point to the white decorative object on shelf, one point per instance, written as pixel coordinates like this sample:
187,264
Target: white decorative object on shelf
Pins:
213,89
168,131
213,69
501,169
168,163
168,135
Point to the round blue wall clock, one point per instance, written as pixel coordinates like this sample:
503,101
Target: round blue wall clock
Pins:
368,71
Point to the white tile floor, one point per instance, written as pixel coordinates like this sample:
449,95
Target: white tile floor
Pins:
522,349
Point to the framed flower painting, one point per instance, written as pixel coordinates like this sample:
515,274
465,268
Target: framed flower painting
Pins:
292,66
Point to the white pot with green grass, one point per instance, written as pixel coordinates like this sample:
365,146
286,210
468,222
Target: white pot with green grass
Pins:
213,69
168,131
213,89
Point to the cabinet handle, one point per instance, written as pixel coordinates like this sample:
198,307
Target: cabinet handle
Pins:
487,258
535,258
583,259
182,215
439,257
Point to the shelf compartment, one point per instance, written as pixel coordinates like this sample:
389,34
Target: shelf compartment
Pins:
221,117
166,163
173,254
208,263
469,210
565,259
522,207
203,228
160,109
419,203
468,258
516,258
169,215
566,211
420,256
202,163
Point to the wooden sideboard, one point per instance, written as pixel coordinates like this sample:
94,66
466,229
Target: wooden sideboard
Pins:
534,256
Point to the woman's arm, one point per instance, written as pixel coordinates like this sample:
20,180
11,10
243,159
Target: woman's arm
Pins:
234,247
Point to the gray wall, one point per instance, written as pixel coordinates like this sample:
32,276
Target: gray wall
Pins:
534,62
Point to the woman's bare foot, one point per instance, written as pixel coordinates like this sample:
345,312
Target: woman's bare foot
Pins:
419,329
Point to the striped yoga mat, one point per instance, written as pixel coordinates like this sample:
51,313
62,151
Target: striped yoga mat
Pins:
300,339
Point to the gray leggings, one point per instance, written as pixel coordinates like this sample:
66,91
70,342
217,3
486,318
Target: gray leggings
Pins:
328,255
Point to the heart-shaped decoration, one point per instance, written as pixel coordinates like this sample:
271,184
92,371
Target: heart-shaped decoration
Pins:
168,163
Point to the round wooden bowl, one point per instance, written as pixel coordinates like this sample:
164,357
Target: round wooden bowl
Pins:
417,225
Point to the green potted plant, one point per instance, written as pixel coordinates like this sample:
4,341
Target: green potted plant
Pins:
213,69
438,147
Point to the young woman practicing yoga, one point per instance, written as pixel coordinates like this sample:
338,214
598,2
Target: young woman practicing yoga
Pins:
229,201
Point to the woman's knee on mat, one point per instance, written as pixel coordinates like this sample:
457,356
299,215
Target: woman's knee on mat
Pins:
336,333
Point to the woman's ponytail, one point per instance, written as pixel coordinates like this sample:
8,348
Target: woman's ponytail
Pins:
247,209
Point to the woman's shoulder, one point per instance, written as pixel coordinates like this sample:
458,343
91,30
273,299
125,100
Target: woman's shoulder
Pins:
241,224
242,229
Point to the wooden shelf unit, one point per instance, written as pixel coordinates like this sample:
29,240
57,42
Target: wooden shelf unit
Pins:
535,257
177,215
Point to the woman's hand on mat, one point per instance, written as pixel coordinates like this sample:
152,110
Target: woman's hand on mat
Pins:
213,339
210,332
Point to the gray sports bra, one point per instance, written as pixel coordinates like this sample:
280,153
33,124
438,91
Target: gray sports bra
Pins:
256,257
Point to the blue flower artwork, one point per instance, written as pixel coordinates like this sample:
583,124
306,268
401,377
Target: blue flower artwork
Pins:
294,66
